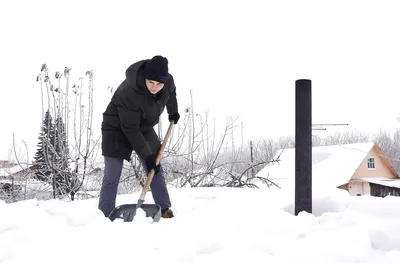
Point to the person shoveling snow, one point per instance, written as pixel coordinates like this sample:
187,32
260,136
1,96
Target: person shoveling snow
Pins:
127,126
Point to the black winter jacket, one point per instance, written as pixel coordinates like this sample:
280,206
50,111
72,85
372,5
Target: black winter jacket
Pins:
132,111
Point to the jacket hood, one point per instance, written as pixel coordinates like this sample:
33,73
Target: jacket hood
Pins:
135,76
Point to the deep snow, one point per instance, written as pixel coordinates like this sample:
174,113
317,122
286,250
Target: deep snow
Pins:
211,224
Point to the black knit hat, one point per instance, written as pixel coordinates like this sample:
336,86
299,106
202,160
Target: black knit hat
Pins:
157,69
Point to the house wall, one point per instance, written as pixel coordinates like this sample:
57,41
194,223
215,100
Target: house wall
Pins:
359,188
382,190
382,168
21,175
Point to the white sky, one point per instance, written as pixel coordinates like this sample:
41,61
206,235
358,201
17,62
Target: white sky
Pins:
240,58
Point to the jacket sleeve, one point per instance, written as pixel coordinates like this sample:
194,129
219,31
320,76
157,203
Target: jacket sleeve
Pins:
172,103
129,115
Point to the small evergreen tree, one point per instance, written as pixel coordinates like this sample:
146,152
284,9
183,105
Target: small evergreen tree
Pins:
52,156
44,151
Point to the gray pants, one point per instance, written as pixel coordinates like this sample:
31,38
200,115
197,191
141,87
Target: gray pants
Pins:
112,175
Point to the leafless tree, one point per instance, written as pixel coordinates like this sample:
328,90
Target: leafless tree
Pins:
203,153
346,137
390,145
73,160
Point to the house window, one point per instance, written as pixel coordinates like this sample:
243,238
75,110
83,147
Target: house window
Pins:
371,163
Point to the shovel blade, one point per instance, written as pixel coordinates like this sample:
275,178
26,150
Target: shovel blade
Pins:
128,211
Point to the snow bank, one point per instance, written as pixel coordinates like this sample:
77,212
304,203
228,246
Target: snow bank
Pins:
211,224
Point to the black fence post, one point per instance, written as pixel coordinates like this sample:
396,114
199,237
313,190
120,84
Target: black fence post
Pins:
303,147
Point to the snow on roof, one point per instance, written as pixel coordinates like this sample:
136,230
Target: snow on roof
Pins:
332,166
8,171
382,181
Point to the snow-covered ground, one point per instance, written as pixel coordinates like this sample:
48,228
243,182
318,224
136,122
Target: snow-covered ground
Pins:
211,225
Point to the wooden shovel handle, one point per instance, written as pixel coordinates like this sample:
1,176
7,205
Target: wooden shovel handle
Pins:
158,158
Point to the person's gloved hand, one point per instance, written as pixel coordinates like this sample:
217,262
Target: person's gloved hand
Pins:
151,164
174,117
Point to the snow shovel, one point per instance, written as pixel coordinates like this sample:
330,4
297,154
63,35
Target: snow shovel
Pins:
128,211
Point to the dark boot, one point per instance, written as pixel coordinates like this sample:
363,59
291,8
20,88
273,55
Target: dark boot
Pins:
167,213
